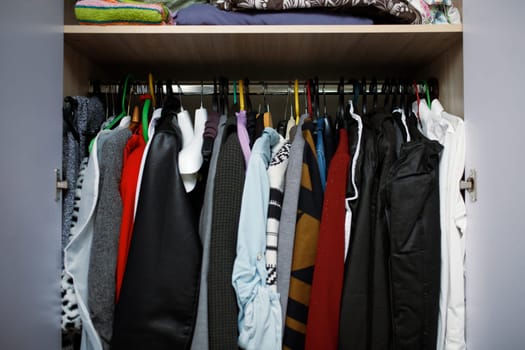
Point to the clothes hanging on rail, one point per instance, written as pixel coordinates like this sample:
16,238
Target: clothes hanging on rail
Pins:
106,232
355,124
287,224
229,182
82,119
158,300
449,131
354,326
380,321
260,323
77,252
276,175
323,313
319,146
128,185
200,338
412,209
373,262
309,209
71,322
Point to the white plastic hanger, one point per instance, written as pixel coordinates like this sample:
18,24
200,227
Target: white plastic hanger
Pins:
190,156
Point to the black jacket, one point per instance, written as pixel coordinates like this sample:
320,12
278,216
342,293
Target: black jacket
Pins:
158,301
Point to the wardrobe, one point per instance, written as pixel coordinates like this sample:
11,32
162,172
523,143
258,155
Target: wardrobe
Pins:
44,56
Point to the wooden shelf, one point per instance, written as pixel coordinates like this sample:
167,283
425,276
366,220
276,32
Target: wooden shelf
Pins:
261,52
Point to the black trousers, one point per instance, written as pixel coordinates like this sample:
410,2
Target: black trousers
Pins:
412,211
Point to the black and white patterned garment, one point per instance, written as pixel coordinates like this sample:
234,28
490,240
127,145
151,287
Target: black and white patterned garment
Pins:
276,177
71,322
81,125
381,11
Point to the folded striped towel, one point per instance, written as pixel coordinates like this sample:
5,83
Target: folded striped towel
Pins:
112,12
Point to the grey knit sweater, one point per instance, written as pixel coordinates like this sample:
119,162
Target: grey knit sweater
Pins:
104,249
289,216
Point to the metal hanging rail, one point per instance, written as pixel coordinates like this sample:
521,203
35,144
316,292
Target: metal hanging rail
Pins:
260,88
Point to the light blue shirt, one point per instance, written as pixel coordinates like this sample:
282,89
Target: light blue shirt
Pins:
260,320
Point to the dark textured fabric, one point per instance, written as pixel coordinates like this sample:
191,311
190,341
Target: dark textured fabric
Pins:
323,314
200,337
227,197
391,11
380,308
309,213
158,300
412,197
106,233
354,323
82,118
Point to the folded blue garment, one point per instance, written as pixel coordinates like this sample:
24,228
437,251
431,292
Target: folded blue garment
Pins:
206,14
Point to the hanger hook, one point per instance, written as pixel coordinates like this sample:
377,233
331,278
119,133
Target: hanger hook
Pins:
180,96
288,92
324,98
202,92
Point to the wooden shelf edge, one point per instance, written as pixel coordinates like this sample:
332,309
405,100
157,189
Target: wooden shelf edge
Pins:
264,29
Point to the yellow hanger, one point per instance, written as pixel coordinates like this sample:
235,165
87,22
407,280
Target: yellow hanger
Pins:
241,95
152,90
296,94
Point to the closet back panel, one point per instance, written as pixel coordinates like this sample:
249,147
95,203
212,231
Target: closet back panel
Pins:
31,44
494,90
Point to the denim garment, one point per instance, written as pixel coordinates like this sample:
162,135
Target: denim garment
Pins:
319,147
260,322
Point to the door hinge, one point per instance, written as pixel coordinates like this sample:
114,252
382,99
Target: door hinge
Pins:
470,185
60,184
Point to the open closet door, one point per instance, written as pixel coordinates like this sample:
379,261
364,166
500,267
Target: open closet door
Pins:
494,56
31,60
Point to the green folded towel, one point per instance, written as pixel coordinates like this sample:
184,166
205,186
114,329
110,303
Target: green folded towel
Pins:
111,12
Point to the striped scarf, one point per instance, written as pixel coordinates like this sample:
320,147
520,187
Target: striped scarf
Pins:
276,176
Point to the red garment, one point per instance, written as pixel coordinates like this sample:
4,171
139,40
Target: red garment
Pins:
128,186
325,298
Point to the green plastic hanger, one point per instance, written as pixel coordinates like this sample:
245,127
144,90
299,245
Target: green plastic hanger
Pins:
145,115
427,93
122,113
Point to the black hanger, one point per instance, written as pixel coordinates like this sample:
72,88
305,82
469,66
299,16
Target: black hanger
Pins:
316,103
247,100
395,91
215,98
386,89
159,92
357,91
169,88
340,116
373,91
364,93
403,94
410,91
223,95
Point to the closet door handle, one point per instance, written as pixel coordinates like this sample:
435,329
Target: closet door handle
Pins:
60,184
470,185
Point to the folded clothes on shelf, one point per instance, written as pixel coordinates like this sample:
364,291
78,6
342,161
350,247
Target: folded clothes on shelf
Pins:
112,12
205,14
